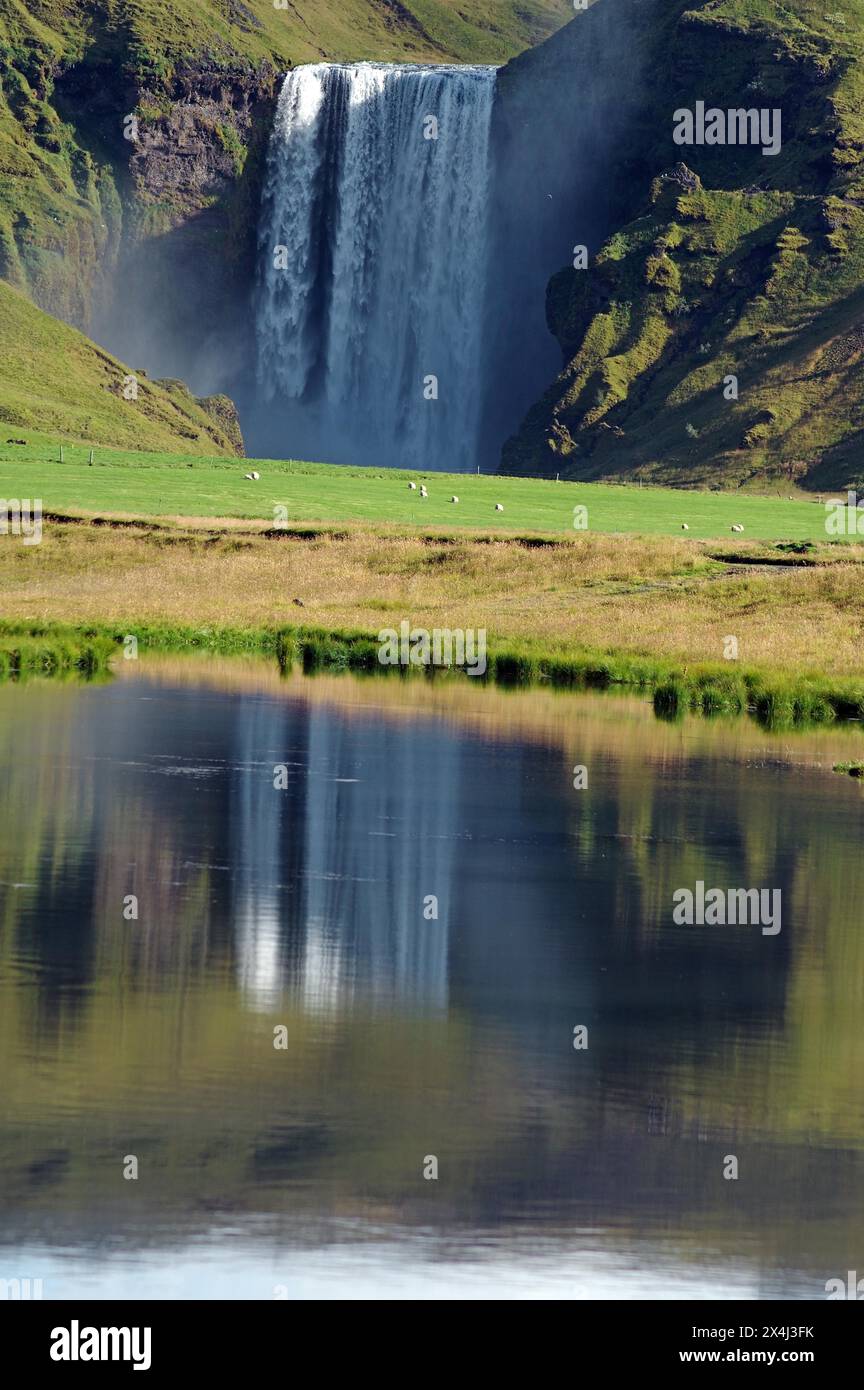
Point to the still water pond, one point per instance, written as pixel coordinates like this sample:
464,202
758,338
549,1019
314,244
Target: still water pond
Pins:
305,913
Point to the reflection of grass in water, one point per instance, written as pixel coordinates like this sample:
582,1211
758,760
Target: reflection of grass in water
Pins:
623,715
854,769
163,1006
775,700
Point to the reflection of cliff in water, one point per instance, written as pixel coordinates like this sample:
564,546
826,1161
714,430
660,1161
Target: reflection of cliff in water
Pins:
406,1035
317,891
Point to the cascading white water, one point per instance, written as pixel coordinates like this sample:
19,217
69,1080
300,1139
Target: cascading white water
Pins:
373,249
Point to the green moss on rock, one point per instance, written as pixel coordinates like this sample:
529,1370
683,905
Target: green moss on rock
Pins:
715,337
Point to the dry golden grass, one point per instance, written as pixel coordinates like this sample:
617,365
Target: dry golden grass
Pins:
635,594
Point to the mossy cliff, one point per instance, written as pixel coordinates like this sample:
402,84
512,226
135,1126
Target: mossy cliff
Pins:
716,336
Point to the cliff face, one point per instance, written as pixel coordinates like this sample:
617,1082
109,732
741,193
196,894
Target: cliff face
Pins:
567,121
132,140
715,336
179,284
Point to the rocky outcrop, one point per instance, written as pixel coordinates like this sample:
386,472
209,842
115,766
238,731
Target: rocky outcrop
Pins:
149,197
190,139
223,412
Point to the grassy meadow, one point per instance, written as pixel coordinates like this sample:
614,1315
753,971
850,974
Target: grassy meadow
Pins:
176,485
186,553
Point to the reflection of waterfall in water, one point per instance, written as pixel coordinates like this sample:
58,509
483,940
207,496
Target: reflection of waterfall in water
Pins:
373,247
375,848
256,894
330,874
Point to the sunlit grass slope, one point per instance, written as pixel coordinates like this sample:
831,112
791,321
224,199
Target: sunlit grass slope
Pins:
54,379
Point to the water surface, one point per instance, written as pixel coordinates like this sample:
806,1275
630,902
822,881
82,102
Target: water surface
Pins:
299,1171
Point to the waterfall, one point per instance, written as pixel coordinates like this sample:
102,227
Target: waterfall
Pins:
373,256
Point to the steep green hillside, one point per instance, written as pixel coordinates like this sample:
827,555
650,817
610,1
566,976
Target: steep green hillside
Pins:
727,264
54,381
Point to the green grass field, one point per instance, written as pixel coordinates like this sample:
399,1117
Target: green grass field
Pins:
177,485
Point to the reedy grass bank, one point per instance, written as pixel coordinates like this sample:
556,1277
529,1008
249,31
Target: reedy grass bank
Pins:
664,598
63,653
710,688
